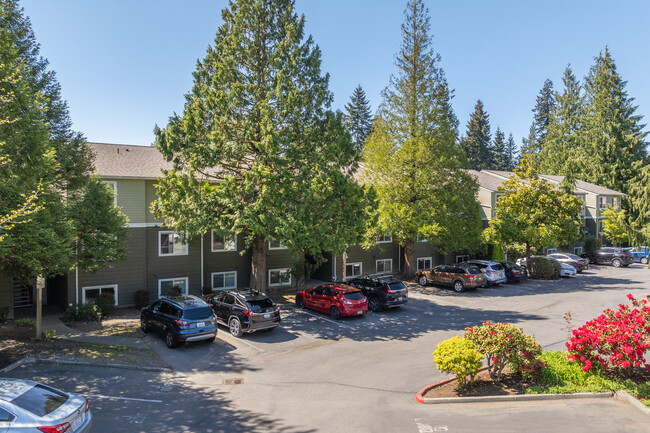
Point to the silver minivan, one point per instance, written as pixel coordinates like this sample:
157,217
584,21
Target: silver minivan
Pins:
494,272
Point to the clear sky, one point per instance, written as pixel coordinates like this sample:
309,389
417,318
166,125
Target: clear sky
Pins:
125,65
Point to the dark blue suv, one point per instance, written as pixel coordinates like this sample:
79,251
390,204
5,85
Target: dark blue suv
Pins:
180,319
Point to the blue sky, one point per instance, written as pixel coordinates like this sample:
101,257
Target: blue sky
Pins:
126,65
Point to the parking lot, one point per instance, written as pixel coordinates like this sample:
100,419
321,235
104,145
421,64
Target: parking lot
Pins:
358,374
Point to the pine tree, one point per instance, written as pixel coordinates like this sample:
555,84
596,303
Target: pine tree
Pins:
478,138
512,153
500,158
411,156
256,152
529,144
358,117
541,119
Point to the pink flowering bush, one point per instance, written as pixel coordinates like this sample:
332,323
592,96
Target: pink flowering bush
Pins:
615,339
504,344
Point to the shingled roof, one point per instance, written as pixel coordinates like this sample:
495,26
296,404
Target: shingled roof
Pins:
124,161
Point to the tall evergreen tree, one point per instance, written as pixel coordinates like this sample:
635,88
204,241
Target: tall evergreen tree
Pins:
529,144
500,157
411,156
477,140
45,154
512,153
358,117
612,130
256,152
541,119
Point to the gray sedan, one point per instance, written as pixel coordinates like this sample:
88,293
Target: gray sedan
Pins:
30,407
571,259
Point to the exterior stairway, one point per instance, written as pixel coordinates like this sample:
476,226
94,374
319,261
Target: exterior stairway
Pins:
22,295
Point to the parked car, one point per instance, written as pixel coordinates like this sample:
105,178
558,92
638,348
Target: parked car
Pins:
640,254
579,263
27,406
493,271
335,299
244,311
460,276
181,319
514,272
382,292
614,256
567,270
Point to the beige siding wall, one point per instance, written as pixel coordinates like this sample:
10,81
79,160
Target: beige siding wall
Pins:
130,197
485,199
150,196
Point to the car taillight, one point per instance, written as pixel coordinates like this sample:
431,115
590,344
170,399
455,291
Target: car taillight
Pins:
250,313
55,428
87,406
514,271
471,277
181,323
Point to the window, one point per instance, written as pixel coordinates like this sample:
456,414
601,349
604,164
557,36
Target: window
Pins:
223,243
424,263
166,284
280,277
421,239
353,270
224,280
89,294
112,185
577,251
551,250
276,245
384,265
6,416
171,244
383,239
583,207
602,202
463,258
497,196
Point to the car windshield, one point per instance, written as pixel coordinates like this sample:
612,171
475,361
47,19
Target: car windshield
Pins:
40,400
259,305
473,271
197,313
397,286
353,296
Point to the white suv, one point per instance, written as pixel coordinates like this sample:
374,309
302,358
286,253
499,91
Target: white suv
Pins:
493,271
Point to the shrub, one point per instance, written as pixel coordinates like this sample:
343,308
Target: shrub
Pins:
504,344
591,243
25,322
543,268
141,298
82,313
4,313
105,303
458,355
615,339
49,334
174,291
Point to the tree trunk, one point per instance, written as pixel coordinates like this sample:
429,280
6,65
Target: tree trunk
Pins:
409,260
258,265
527,251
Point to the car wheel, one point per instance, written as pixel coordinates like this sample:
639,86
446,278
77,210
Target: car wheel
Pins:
459,286
235,327
300,302
616,263
169,340
144,325
335,313
644,260
422,280
374,305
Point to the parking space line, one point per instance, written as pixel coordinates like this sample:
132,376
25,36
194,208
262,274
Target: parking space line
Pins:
343,325
230,339
123,398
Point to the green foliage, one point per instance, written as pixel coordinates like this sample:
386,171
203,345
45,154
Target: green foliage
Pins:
543,268
4,313
174,291
500,157
25,322
498,253
141,298
542,112
358,117
256,152
504,344
49,334
82,313
105,303
615,225
477,141
591,243
533,212
458,355
512,153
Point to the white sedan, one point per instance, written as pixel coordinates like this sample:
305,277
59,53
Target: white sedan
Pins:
567,270
27,407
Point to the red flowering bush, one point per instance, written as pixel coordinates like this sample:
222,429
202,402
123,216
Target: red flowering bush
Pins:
615,339
504,344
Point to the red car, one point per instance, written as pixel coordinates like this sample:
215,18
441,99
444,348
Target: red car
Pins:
336,299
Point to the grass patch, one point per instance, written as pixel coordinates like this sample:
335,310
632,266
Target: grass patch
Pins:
122,330
25,323
106,346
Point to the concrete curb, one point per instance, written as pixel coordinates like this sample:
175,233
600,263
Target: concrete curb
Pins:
626,396
24,361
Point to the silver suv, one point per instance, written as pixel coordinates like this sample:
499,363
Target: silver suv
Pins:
494,272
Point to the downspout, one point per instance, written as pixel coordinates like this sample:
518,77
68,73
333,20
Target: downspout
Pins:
334,273
76,284
202,279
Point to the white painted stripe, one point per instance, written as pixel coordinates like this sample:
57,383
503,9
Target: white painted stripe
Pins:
228,337
325,319
122,398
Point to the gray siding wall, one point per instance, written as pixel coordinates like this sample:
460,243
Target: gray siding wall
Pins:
368,258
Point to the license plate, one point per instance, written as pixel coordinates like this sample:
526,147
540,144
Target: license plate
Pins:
359,312
266,316
399,299
200,325
77,422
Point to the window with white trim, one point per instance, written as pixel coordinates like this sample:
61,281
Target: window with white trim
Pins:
577,251
223,243
602,202
90,293
463,258
384,265
276,245
497,196
384,239
224,280
280,277
551,250
424,263
583,206
112,185
353,269
171,244
166,284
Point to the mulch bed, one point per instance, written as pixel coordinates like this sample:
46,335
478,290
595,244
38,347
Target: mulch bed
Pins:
483,386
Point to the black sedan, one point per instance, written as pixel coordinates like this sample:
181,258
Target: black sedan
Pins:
382,293
244,311
514,272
